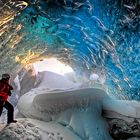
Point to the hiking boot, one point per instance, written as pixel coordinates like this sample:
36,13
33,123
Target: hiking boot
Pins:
13,121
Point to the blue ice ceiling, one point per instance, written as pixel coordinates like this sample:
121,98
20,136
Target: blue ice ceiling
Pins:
91,35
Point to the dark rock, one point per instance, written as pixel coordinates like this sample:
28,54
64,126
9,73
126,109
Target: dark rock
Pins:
122,130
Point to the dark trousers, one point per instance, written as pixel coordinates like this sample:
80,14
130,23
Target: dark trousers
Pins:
9,108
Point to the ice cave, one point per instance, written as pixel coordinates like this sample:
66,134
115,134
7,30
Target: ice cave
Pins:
75,69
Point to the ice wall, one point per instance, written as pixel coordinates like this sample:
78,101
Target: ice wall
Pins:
86,34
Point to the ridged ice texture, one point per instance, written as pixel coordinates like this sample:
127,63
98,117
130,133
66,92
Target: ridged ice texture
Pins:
90,35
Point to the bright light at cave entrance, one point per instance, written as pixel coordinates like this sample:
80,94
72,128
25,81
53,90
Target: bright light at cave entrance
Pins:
53,65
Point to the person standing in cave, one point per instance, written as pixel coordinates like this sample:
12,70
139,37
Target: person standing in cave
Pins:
5,91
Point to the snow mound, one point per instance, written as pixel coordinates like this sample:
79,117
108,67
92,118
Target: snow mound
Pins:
50,80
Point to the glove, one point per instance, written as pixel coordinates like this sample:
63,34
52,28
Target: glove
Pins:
9,93
10,87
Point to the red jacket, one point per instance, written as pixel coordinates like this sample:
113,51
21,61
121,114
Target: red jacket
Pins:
5,90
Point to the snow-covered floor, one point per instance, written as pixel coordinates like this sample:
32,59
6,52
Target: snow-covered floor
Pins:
26,129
